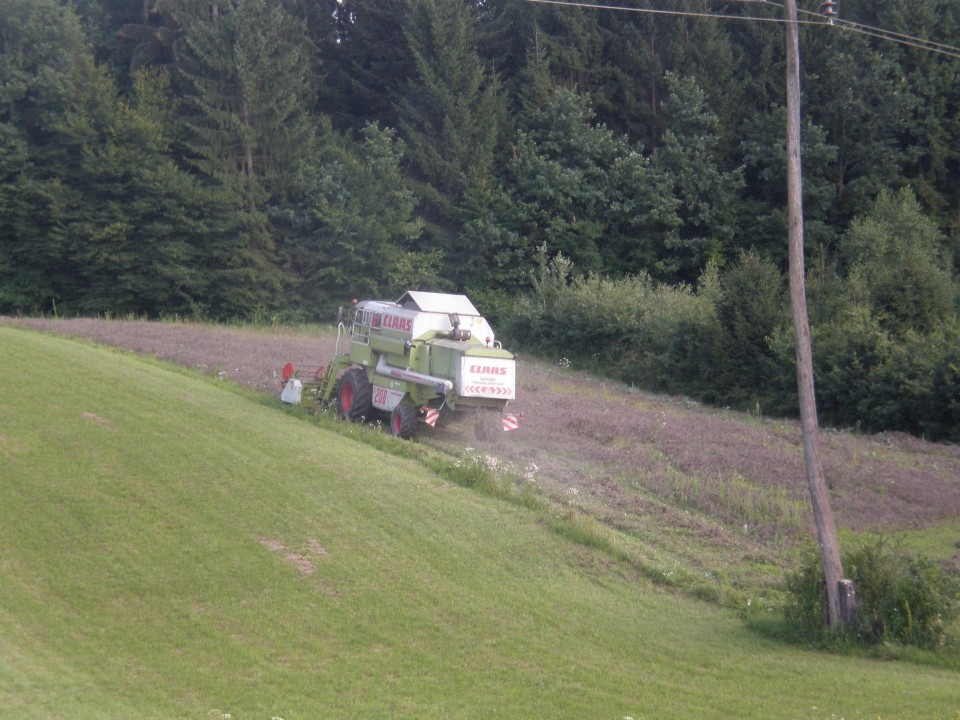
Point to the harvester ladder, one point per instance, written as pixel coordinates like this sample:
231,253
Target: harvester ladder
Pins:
327,382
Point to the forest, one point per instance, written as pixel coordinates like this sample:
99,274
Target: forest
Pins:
608,185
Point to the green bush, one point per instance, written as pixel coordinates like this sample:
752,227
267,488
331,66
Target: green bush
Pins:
633,328
672,349
917,387
900,256
731,343
847,350
752,309
804,610
901,598
870,380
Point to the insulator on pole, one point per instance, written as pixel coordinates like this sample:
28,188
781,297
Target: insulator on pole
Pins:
829,10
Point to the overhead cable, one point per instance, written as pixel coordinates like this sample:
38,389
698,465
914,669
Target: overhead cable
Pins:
833,20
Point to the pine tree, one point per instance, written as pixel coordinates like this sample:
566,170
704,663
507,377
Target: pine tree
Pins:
350,231
763,210
43,55
860,96
449,115
146,237
579,190
247,68
366,61
689,158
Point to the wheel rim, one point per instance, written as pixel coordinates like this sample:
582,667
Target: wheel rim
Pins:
346,397
396,422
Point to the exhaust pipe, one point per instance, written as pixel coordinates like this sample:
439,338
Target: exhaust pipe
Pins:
442,386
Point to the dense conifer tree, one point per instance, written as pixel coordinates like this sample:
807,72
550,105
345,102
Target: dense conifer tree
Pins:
365,62
689,157
861,99
44,63
246,66
449,113
763,222
247,69
579,190
350,230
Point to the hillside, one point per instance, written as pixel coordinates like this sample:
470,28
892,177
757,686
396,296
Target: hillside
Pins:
175,549
682,477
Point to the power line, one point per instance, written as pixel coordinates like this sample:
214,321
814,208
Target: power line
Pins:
846,25
655,11
893,36
919,43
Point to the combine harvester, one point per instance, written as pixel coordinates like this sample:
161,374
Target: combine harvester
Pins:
413,359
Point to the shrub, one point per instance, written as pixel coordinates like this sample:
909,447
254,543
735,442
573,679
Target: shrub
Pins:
847,350
731,343
901,598
899,255
751,308
632,328
917,388
803,610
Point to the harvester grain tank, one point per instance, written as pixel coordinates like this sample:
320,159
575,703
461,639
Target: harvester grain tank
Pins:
412,359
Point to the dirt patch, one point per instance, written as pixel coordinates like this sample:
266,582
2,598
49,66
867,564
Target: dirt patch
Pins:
315,548
302,563
273,545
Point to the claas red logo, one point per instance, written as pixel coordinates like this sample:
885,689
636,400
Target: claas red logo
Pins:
395,322
488,369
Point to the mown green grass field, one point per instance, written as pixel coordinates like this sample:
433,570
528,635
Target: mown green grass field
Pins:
172,547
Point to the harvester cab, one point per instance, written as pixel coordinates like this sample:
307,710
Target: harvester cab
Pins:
414,358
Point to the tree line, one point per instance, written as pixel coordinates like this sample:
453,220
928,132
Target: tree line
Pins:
231,159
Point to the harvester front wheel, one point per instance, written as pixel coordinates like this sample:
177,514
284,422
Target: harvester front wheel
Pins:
355,395
403,421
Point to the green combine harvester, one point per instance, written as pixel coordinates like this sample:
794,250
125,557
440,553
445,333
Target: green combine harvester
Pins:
413,360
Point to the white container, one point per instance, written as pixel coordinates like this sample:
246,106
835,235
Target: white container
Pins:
292,391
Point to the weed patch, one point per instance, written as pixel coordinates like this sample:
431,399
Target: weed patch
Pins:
903,599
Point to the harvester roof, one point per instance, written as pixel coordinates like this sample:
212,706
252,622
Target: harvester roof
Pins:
437,303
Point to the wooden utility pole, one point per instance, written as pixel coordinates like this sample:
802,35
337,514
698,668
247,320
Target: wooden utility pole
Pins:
822,515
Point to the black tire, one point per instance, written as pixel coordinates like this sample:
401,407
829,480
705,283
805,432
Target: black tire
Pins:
354,395
403,421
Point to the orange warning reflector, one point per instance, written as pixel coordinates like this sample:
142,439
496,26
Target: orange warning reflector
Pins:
288,371
510,422
431,417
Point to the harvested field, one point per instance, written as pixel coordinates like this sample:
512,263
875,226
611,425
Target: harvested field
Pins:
617,453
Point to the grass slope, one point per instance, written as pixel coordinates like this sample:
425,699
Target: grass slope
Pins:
173,549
